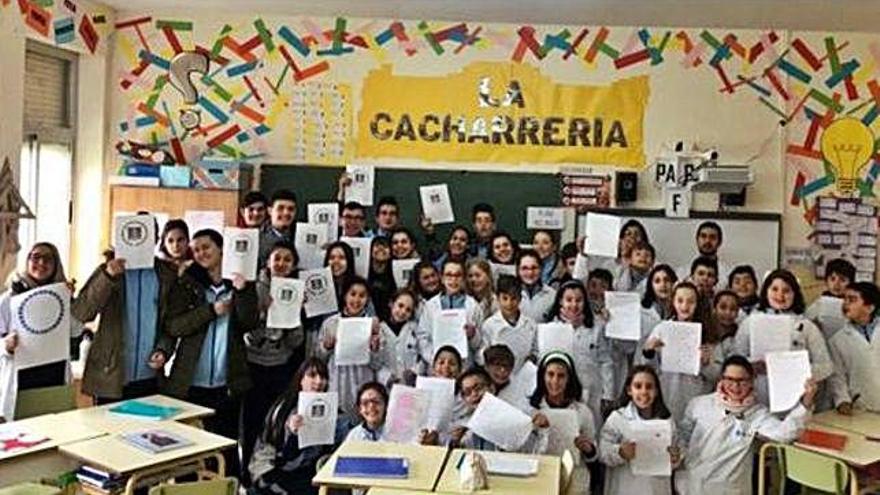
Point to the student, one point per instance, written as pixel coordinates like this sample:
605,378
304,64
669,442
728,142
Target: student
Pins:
453,295
504,250
500,365
457,247
271,352
407,350
568,255
839,274
353,219
719,429
210,315
537,298
279,466
704,275
425,282
371,403
282,212
252,213
387,217
658,291
43,267
744,283
480,287
131,306
483,218
340,258
472,385
592,351
681,387
381,277
725,314
403,244
855,350
545,244
634,275
508,325
781,294
708,239
631,233
640,401
346,379
599,281
447,363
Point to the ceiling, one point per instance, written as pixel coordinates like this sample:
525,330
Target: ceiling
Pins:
808,15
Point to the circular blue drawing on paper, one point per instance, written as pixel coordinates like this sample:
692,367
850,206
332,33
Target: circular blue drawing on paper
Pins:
43,321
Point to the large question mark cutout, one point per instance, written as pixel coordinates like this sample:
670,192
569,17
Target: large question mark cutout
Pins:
182,66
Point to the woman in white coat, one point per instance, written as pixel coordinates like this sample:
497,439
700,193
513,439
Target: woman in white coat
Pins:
719,430
855,350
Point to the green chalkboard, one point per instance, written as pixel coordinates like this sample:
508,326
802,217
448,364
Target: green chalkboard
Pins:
509,192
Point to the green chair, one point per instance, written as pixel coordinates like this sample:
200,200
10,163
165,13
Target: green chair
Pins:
47,400
30,489
810,470
219,486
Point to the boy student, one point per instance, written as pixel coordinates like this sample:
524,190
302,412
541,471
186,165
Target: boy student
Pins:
499,365
508,326
599,281
708,238
704,274
387,217
353,220
253,210
633,277
839,274
855,350
483,218
282,212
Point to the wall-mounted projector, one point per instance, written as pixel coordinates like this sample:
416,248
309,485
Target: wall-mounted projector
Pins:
724,179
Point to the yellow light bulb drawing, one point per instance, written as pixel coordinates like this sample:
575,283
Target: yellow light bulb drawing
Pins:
848,145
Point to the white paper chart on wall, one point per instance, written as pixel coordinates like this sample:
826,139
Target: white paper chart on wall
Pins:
321,123
846,228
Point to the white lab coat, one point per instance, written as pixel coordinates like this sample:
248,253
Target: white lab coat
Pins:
827,323
522,338
474,316
720,447
536,307
804,335
625,353
619,478
8,384
857,366
580,476
407,351
625,283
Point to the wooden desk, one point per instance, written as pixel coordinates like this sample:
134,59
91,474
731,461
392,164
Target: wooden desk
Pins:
864,422
398,491
100,418
859,452
545,483
425,464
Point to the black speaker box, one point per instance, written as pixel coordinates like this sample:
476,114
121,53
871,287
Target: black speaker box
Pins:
626,186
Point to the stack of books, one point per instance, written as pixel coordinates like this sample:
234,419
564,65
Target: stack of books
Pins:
99,481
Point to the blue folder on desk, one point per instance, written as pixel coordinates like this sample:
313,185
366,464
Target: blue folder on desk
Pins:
372,467
145,410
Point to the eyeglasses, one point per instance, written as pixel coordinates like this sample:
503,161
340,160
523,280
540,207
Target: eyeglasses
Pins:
467,392
737,381
41,258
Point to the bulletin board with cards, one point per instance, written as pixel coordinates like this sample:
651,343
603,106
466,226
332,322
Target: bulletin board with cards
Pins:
846,228
321,112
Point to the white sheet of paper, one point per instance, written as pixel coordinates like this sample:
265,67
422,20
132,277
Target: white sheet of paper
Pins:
523,383
769,333
309,241
436,204
555,336
625,322
197,220
325,214
407,414
241,250
681,347
287,301
563,430
320,296
41,317
448,329
504,464
603,232
361,188
831,311
353,341
499,269
442,394
361,248
500,423
135,240
319,411
786,374
652,438
402,270
538,217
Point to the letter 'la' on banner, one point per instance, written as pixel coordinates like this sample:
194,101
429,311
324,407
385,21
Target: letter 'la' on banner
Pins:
504,113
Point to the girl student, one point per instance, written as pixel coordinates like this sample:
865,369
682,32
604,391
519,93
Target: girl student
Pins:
381,276
346,379
559,389
407,350
372,408
537,297
480,284
641,400
657,301
403,244
781,294
278,465
425,283
504,249
744,283
592,352
457,247
447,363
546,245
725,313
339,257
453,296
131,306
680,388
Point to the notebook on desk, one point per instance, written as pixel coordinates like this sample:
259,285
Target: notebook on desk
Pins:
501,464
144,410
823,439
371,467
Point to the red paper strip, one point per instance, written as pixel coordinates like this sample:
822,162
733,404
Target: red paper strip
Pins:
252,43
723,75
236,48
874,88
223,136
799,182
221,60
812,132
574,45
132,22
38,19
777,84
160,119
88,34
469,40
302,75
794,149
735,46
172,39
248,112
136,72
632,58
600,38
253,89
177,149
851,91
806,54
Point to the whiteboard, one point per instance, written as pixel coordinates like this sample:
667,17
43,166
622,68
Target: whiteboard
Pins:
746,241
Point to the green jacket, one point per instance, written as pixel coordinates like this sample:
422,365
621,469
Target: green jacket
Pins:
104,374
187,319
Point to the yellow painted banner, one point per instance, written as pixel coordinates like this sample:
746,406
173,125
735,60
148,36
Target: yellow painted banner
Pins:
503,113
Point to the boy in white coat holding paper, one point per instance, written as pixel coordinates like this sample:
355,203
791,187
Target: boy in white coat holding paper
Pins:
855,350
